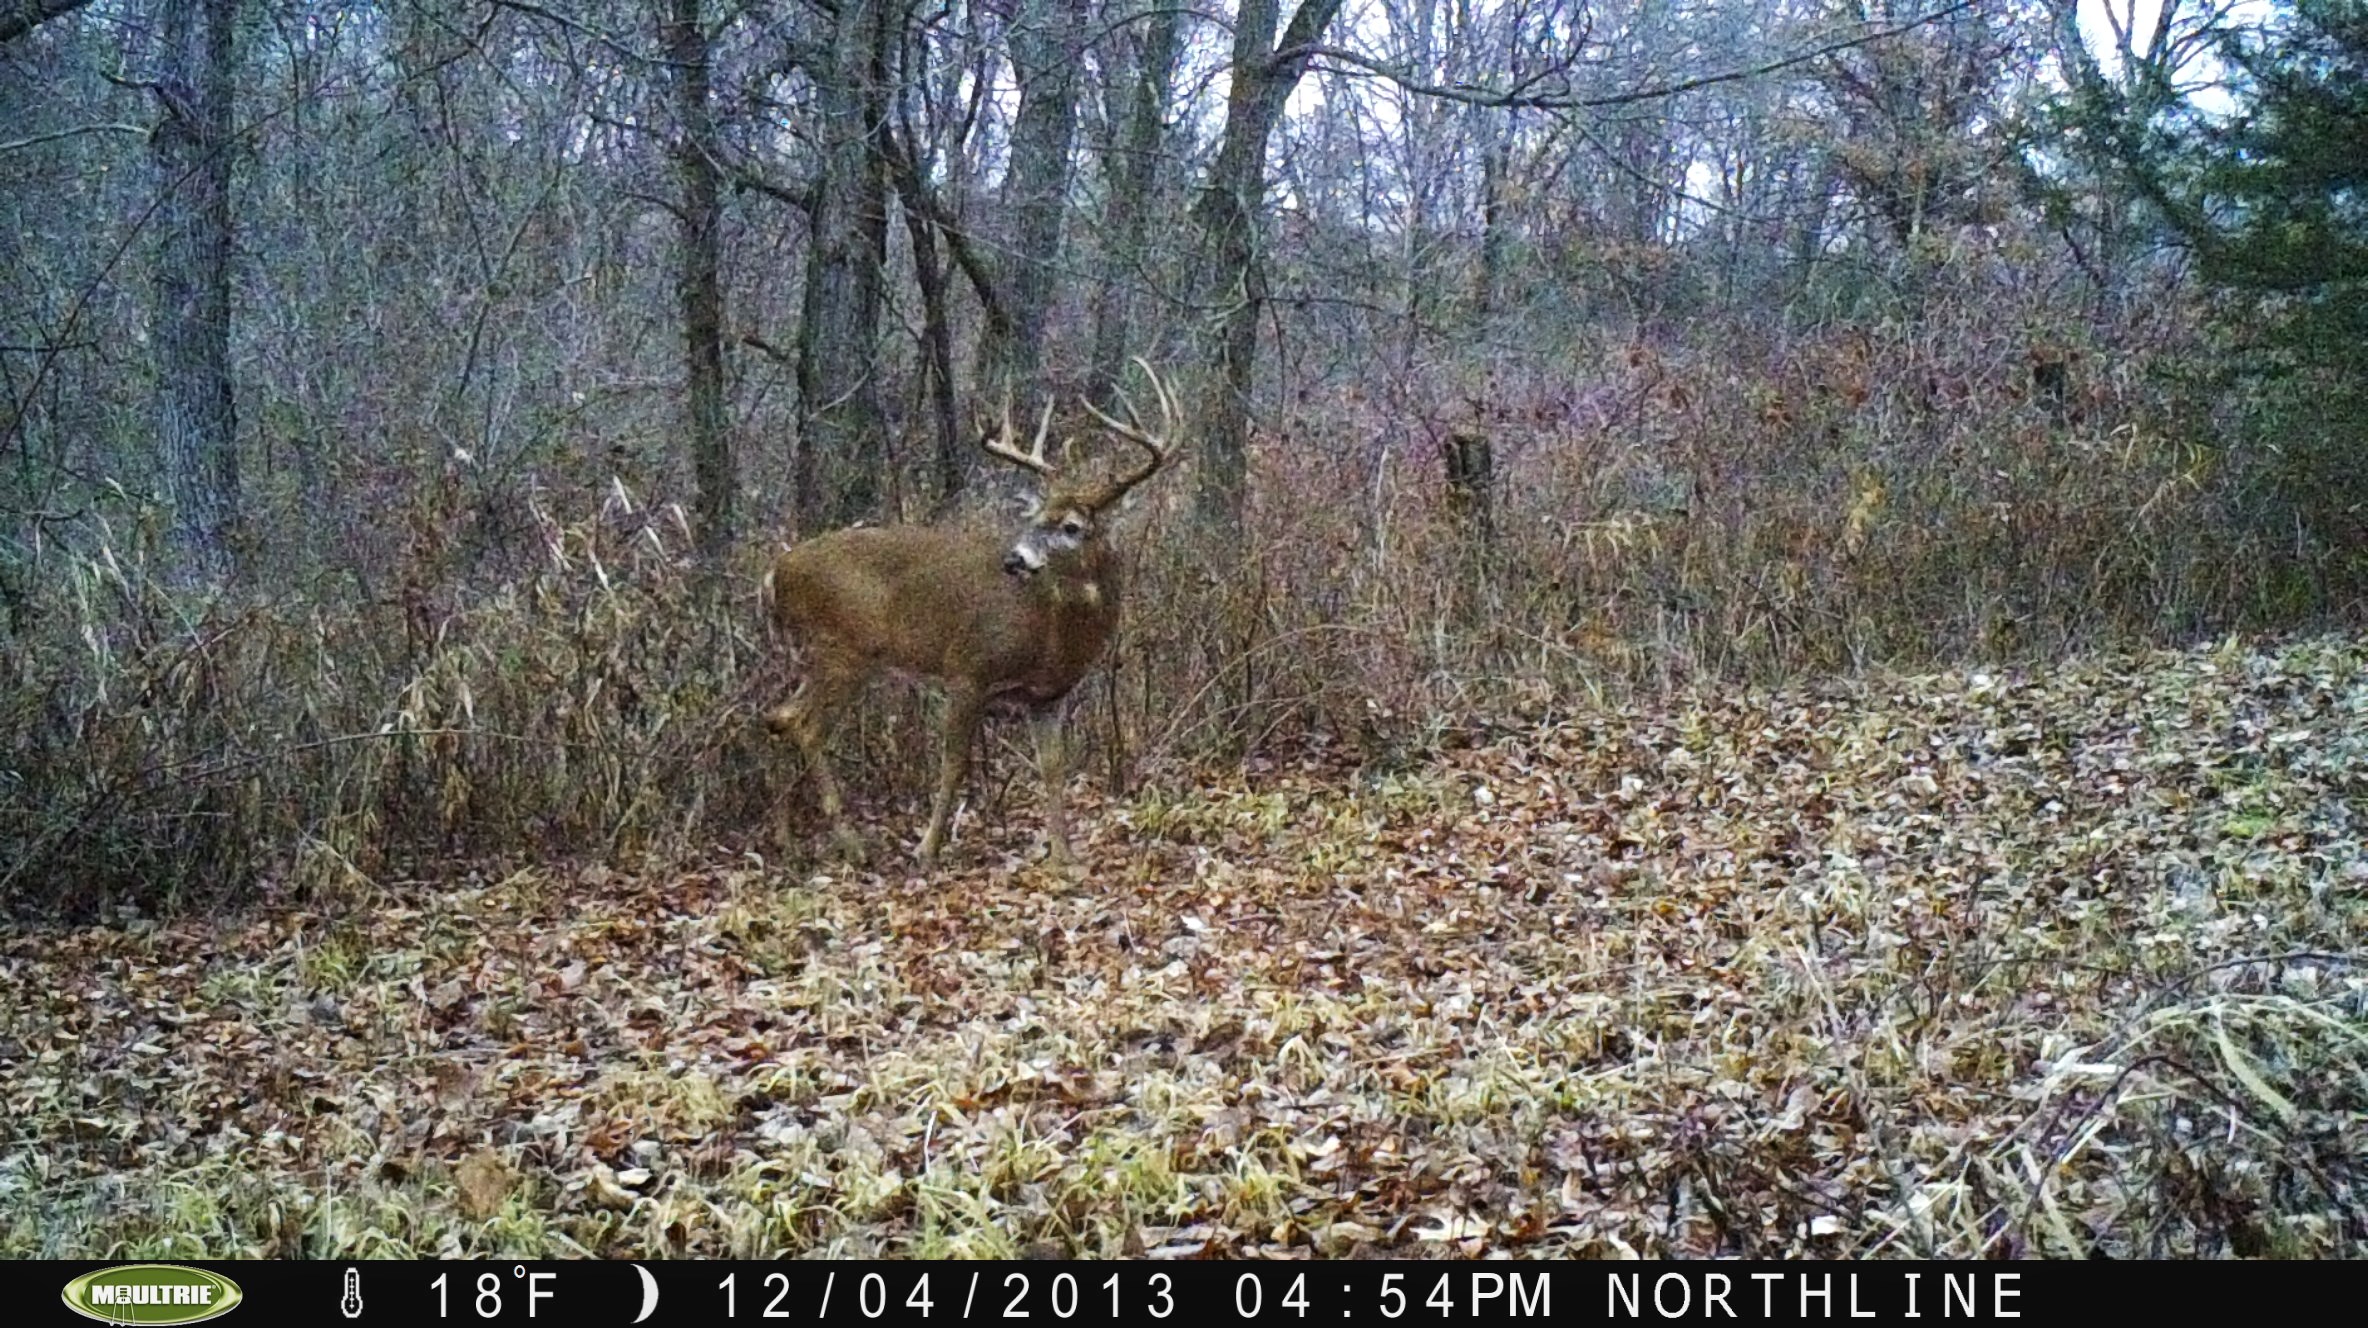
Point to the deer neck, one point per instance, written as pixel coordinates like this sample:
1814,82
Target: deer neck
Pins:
1078,607
1080,596
1086,591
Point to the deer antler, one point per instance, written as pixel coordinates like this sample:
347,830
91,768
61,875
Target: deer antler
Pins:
997,444
1161,445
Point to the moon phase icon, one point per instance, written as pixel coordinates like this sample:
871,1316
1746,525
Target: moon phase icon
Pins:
649,1293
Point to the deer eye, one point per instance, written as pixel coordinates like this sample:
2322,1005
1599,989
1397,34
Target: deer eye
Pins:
1072,527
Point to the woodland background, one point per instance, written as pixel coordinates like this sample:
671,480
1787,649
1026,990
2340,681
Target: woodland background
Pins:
1754,650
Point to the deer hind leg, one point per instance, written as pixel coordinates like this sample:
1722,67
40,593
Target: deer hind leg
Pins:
963,708
808,718
1052,762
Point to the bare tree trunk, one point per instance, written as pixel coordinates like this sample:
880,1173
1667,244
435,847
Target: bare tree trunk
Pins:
841,450
1044,57
411,300
1488,283
937,352
196,414
699,283
1809,214
1233,287
1133,176
921,199
938,248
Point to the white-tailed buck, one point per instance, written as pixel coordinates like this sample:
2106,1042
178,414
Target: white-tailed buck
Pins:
993,618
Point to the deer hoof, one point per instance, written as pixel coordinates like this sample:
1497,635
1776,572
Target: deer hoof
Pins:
780,719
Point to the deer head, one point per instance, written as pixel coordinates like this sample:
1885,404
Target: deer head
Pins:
1016,618
1067,516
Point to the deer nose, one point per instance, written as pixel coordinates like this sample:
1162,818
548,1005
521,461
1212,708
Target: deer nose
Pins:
1016,564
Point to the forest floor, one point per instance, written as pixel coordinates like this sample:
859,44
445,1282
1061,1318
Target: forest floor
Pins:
2056,962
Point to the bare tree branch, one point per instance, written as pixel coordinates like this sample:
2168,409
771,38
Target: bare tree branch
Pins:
747,179
1565,101
617,44
777,354
76,132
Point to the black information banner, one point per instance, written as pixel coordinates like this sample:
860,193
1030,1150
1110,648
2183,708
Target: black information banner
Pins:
661,1292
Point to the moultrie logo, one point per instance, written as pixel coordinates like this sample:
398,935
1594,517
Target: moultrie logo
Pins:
152,1293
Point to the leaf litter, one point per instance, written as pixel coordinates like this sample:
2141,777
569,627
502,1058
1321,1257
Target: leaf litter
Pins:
2062,962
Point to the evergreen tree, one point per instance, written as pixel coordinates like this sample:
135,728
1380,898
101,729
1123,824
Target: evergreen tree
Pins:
2277,200
2269,190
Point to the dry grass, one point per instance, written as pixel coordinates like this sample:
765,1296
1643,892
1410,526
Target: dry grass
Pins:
493,675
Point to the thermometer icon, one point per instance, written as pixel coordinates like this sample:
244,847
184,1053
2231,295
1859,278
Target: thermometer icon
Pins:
351,1302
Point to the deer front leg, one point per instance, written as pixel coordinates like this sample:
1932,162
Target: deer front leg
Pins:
963,708
1052,762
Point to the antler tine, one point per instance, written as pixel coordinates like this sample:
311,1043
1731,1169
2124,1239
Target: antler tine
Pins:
1033,458
1161,446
